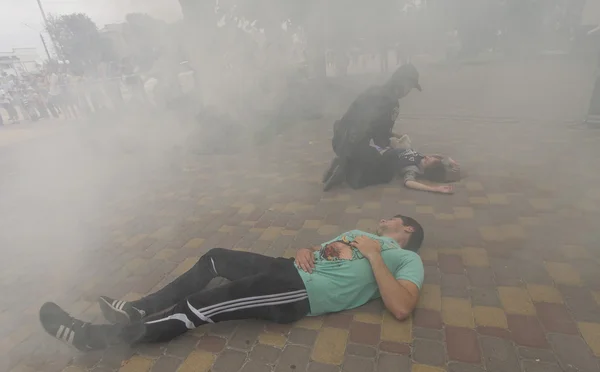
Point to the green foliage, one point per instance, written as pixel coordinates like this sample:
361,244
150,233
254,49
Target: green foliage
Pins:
77,39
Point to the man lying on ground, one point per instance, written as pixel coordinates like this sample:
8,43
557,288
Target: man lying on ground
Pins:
377,165
341,274
434,168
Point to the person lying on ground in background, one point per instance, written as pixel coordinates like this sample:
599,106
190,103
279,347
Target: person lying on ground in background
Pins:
413,166
341,274
369,120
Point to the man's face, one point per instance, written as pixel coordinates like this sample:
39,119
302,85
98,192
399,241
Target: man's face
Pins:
389,225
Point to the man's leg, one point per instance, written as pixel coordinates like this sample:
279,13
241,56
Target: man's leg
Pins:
277,295
217,262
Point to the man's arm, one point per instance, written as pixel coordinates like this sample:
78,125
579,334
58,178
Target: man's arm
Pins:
399,296
410,181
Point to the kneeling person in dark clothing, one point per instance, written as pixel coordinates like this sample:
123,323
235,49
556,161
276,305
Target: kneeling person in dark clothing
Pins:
341,274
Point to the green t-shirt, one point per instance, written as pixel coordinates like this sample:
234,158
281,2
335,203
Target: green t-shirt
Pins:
340,284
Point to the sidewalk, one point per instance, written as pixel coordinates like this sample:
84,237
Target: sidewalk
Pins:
512,260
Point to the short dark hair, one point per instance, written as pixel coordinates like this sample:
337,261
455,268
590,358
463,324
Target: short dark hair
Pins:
416,238
436,172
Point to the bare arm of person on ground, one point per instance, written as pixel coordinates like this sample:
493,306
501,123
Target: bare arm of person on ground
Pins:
410,181
400,297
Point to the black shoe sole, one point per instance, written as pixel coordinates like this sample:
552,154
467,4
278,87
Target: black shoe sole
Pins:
336,178
113,315
329,171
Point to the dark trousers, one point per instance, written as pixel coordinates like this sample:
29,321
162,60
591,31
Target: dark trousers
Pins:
367,167
260,287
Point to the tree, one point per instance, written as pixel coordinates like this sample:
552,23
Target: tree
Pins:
144,35
77,39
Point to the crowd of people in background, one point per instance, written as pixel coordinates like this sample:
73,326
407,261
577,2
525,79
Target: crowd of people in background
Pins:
56,92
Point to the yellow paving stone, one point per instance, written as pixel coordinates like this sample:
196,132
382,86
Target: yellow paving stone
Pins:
197,361
391,190
473,186
310,322
541,204
497,199
372,205
475,257
162,232
563,273
277,207
312,224
424,209
368,318
463,212
247,209
530,221
353,209
516,300
457,312
395,330
289,232
226,229
132,296
273,339
575,252
444,216
429,254
425,368
596,295
68,369
454,251
491,233
257,230
343,197
271,233
512,231
367,224
479,200
330,346
184,266
407,202
134,240
490,317
328,230
431,297
164,254
194,243
591,335
289,253
544,293
134,264
137,364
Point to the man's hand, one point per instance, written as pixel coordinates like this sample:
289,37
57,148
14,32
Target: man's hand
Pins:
305,259
453,163
443,189
368,247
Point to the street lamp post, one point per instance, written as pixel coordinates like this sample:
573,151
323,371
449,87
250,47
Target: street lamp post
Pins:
39,2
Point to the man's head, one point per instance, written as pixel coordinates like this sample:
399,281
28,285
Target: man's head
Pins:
433,168
403,80
405,230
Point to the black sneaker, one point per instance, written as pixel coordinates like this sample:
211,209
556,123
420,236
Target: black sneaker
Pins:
337,176
60,325
119,312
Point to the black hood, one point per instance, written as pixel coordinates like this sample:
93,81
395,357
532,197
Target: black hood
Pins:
405,73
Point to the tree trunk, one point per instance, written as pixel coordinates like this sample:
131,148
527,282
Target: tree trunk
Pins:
315,32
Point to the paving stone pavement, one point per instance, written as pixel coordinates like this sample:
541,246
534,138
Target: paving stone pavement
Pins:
512,259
